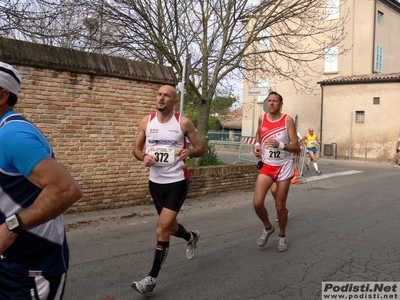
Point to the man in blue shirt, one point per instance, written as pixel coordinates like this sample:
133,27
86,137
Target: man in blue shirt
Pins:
34,192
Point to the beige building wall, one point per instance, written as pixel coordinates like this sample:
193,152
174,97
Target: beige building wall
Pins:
360,39
303,106
373,140
388,36
358,60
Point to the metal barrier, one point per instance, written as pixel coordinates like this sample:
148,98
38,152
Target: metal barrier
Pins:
224,137
245,140
303,154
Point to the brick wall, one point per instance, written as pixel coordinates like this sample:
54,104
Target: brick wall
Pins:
89,107
219,179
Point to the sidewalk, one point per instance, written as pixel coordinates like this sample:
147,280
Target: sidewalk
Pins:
126,215
98,218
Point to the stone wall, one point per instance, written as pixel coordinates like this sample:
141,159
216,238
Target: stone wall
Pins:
89,107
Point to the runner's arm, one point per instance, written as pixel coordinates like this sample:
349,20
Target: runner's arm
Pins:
294,145
197,149
140,140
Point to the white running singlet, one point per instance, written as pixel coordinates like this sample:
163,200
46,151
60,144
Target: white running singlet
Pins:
162,139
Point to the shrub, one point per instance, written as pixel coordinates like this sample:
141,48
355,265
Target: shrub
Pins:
210,158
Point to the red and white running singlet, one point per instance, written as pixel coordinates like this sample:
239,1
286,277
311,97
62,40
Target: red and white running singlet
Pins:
162,139
278,131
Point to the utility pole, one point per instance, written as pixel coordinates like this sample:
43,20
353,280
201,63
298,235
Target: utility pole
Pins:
185,79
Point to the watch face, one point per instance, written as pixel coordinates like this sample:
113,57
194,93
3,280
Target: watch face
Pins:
12,222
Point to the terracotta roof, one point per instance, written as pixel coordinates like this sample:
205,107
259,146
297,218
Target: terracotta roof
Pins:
376,77
230,122
236,112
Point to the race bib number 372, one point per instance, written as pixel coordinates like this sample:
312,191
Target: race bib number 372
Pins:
165,156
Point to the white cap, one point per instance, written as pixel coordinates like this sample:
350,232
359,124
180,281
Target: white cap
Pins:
9,78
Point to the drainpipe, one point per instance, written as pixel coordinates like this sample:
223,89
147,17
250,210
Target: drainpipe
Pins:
321,118
373,39
351,134
253,134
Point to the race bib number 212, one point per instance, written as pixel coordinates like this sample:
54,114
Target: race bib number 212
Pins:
275,153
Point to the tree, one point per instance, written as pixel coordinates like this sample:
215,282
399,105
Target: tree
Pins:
221,105
190,111
224,37
45,22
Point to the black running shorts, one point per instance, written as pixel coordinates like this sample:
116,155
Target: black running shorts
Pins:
169,195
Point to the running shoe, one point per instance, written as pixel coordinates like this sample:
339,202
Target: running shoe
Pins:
145,286
288,214
396,165
308,169
319,172
263,239
191,249
282,244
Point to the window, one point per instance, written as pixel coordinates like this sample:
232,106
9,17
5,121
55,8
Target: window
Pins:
359,116
379,59
377,100
262,83
265,41
332,9
380,17
331,59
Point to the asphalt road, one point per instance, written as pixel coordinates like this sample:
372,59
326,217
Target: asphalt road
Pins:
343,227
235,157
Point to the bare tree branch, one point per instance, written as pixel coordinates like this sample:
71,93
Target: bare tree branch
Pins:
226,38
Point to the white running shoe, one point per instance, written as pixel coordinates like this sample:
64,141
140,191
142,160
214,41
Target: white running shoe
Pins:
396,165
145,286
282,244
288,214
263,239
191,249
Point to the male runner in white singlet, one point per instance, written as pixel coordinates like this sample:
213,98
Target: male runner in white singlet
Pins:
276,140
164,134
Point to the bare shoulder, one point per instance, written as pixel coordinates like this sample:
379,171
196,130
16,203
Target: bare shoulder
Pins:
145,118
144,121
186,123
185,119
289,118
289,121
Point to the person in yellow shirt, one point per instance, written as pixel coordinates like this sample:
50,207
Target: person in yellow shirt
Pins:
311,140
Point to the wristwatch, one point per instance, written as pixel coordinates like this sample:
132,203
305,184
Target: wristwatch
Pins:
284,146
14,223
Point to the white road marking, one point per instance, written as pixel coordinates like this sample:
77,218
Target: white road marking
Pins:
325,176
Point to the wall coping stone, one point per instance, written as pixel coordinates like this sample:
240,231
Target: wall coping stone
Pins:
63,59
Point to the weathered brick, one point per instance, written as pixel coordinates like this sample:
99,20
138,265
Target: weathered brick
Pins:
90,115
